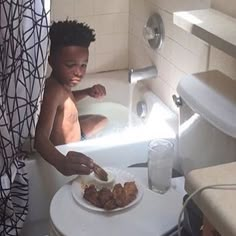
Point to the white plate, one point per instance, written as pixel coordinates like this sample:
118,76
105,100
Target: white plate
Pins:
121,176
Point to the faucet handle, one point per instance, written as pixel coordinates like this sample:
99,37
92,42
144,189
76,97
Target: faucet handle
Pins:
153,31
149,33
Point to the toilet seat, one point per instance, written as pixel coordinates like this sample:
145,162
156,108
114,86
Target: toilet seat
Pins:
53,231
70,219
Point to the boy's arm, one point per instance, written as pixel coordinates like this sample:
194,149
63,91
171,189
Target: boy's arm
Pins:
73,163
80,94
96,91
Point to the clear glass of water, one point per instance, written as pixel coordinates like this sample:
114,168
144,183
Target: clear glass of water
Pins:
160,163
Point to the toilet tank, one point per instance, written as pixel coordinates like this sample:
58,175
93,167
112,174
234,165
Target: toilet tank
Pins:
207,121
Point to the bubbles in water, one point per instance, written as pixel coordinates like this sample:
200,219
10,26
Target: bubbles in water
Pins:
120,118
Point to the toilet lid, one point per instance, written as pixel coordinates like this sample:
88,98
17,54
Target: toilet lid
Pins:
212,95
153,215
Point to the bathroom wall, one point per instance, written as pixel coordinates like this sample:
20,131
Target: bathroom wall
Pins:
109,18
120,44
181,54
228,7
218,59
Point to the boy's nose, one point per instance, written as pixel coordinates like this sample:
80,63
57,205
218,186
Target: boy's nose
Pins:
78,73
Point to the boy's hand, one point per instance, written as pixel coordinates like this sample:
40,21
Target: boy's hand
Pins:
97,91
76,163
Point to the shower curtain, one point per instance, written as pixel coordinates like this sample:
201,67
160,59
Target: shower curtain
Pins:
24,26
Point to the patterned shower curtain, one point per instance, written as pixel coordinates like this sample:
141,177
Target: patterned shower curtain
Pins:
24,26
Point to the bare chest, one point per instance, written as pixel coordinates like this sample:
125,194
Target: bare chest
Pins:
69,110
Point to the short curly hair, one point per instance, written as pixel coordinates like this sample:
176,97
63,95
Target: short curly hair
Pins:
70,33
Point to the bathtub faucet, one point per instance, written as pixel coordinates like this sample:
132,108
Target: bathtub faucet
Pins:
140,74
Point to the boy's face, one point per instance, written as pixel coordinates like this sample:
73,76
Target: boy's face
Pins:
69,64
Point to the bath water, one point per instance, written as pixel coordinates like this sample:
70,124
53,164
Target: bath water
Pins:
130,116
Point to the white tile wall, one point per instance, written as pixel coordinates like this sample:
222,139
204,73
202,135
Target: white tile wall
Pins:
83,8
227,7
223,62
181,53
181,5
60,11
111,23
110,19
104,62
110,6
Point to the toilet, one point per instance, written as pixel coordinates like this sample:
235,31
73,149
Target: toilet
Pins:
207,121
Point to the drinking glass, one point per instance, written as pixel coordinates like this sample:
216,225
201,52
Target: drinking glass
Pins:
160,163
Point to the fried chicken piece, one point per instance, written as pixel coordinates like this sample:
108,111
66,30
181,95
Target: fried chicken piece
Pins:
131,191
105,198
104,195
119,195
100,172
110,205
91,195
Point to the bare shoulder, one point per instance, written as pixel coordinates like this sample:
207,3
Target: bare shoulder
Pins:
53,86
54,91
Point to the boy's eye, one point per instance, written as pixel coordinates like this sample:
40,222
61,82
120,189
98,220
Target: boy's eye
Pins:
70,65
84,65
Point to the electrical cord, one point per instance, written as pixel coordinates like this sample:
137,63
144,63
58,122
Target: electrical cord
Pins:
214,186
172,231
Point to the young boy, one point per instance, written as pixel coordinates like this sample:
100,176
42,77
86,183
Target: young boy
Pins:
59,121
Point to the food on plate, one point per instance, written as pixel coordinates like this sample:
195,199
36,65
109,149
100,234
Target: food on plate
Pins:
110,205
91,195
104,195
130,191
86,180
109,199
100,172
119,195
105,198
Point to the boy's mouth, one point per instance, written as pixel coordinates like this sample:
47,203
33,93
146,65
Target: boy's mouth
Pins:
75,80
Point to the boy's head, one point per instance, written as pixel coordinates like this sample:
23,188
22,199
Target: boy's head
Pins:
69,50
70,33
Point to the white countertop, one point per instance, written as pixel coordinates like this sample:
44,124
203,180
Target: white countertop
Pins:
218,205
210,25
153,215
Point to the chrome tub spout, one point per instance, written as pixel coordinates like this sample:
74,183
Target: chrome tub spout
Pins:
136,75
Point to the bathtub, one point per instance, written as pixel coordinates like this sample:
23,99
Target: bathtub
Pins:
122,106
119,103
121,144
